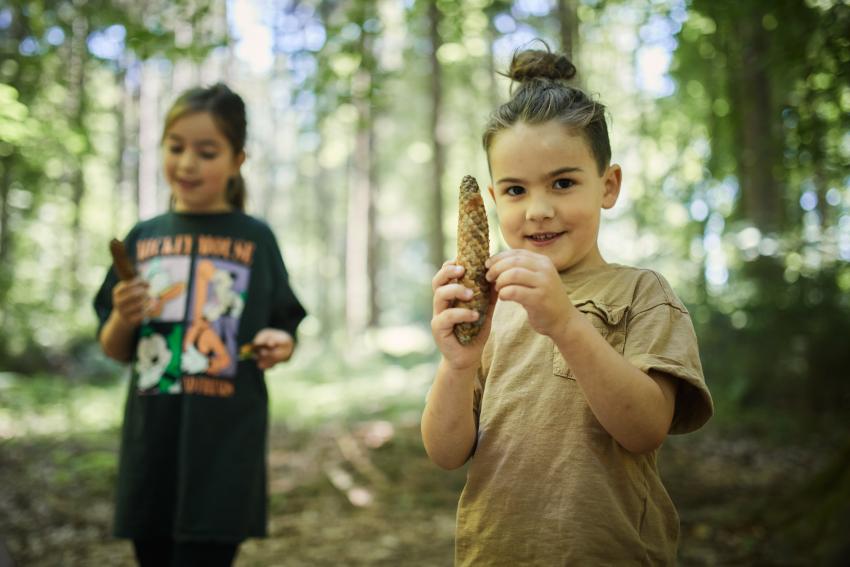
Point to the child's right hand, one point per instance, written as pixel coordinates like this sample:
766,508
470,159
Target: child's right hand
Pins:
446,291
130,301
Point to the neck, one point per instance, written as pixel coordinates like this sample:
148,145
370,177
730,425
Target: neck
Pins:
214,208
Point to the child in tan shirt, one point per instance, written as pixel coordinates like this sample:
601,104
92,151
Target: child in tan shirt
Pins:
582,367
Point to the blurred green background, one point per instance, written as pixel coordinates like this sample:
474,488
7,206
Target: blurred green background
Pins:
731,120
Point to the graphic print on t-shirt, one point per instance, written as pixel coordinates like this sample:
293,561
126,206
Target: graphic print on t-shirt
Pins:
188,344
158,351
215,307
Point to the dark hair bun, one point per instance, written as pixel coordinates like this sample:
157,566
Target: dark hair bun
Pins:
537,63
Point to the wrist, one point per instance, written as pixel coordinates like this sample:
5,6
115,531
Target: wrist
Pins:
458,368
119,323
567,328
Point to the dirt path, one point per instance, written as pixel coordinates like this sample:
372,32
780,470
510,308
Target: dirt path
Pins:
366,495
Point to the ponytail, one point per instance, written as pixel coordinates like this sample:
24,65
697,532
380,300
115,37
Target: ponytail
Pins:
236,192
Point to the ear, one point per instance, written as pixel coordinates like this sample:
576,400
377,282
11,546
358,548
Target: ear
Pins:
238,160
611,181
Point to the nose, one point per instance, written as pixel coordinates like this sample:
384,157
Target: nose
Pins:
188,160
539,208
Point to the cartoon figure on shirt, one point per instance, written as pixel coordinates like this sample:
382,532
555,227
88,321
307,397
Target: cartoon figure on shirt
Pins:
203,349
152,357
162,289
226,301
157,360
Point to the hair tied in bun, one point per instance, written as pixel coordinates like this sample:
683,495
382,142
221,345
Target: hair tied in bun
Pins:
540,64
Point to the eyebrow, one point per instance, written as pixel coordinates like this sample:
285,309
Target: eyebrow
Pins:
550,175
207,142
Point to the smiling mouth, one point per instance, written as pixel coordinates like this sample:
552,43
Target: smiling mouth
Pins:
187,184
543,237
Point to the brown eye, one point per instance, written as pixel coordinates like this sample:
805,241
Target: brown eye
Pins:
564,183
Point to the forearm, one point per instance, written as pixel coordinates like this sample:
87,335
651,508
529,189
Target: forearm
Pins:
635,409
448,422
116,338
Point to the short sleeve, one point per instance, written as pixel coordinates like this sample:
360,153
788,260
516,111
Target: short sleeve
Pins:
662,338
286,311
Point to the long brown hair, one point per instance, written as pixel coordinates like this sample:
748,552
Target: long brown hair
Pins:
228,112
543,94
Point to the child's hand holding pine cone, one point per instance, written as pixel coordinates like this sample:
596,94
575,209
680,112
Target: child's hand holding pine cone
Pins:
473,249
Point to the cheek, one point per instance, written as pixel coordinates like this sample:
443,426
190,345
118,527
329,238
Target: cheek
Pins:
215,172
169,165
510,215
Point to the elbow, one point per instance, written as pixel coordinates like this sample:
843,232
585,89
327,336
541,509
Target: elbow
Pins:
447,458
648,442
445,462
113,354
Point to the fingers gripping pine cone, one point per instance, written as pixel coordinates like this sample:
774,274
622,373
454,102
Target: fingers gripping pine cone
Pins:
123,266
473,249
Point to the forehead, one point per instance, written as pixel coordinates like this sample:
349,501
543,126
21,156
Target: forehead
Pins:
530,147
196,127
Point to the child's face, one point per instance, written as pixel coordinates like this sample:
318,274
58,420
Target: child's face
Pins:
198,161
549,194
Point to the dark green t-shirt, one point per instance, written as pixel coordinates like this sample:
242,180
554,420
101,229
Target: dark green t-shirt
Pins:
193,446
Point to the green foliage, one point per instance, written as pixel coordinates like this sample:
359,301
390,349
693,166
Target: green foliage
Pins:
805,50
779,349
60,156
53,98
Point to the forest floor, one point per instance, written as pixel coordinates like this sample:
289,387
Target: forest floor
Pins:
359,490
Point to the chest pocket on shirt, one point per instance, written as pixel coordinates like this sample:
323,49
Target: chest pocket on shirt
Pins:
609,320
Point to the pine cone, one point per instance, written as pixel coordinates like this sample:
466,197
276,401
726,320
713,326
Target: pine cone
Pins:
123,267
473,249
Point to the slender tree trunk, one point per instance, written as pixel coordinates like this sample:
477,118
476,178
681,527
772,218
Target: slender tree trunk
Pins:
117,197
374,241
76,106
357,228
568,27
5,238
761,190
493,92
436,237
150,124
130,152
16,33
324,264
361,261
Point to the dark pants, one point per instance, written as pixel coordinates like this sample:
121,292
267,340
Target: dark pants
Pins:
168,553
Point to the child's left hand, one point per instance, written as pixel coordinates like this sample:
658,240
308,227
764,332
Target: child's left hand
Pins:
531,280
272,346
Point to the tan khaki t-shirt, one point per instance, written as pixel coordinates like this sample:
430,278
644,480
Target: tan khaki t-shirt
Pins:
547,485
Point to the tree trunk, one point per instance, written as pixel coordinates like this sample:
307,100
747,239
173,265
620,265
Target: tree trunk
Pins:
761,190
568,27
361,267
374,241
436,238
129,153
6,278
150,125
326,270
76,106
357,227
